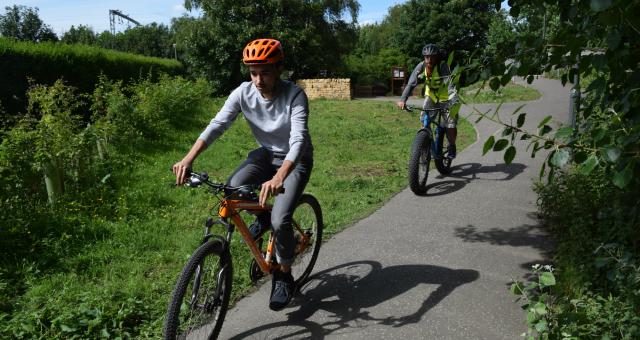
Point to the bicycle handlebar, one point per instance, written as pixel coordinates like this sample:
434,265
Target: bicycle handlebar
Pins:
410,108
197,179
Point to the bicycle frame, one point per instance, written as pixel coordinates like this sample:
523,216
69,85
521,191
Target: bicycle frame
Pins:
427,116
230,210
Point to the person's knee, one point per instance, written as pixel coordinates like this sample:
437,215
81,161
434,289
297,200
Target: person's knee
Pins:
234,181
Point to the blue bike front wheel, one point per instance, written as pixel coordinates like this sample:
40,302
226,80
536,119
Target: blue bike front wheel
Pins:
419,162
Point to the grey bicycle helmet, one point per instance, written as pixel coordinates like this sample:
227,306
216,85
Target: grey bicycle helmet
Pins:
430,49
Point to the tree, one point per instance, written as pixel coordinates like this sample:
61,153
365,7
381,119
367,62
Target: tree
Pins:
459,26
375,37
23,23
80,35
314,35
501,37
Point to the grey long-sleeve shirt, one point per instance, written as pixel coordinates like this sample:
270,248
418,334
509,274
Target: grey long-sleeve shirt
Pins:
279,124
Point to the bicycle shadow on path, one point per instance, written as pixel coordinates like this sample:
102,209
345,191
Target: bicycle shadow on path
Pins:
345,292
464,173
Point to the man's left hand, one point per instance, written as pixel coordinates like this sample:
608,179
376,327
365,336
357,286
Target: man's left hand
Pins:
270,188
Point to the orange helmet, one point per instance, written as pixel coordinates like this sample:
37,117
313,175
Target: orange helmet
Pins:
262,52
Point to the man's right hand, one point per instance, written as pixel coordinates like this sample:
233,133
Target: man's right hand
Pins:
401,105
181,170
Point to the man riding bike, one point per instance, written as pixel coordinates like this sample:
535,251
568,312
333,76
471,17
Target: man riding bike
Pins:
440,92
277,113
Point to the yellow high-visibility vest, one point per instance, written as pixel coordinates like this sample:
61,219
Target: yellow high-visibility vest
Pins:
436,87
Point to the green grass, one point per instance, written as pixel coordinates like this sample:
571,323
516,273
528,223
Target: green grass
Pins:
122,277
510,93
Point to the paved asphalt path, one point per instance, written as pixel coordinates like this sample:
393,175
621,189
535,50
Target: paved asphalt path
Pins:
431,267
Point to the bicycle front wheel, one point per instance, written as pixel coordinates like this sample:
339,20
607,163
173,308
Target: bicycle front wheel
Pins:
307,220
419,161
201,297
443,163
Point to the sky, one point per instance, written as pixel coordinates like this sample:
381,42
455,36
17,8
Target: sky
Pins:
61,14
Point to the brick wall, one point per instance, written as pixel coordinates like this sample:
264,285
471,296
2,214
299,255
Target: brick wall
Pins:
339,88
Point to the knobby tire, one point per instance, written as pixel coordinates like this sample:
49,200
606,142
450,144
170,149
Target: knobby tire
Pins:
199,282
419,162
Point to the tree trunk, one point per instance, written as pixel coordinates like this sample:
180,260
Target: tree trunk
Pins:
53,181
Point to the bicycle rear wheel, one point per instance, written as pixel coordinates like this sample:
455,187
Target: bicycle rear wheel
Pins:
201,297
443,163
419,162
307,219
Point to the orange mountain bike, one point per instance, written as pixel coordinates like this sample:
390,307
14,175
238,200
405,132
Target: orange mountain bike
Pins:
201,296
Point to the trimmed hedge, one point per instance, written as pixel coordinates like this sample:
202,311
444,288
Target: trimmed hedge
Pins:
78,65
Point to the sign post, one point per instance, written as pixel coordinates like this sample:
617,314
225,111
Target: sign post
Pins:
397,73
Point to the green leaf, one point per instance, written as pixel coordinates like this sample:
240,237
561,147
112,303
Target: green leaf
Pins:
564,133
494,83
613,39
531,317
450,59
488,144
510,154
542,168
505,79
545,129
520,120
500,144
541,326
598,134
516,288
588,165
67,329
547,279
622,178
600,5
544,121
560,158
454,110
613,153
540,308
518,109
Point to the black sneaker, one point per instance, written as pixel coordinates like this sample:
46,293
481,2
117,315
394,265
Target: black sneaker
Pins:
260,225
282,286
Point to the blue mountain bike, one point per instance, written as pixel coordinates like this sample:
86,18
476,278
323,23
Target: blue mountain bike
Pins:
431,142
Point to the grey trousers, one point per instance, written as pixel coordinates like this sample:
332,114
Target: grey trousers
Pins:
260,166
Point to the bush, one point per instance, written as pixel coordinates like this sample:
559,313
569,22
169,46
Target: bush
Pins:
79,65
597,256
43,245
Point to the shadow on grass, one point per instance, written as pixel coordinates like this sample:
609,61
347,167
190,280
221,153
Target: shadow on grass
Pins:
346,292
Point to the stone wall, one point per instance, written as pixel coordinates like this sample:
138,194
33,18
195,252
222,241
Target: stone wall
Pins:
339,88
